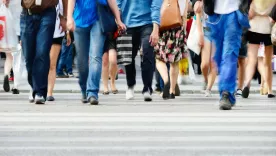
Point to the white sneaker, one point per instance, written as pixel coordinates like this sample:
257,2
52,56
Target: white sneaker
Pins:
147,96
208,93
31,98
130,94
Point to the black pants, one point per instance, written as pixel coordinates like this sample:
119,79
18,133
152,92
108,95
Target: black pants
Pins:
140,38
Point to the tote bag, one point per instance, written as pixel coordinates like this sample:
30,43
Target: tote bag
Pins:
193,39
124,49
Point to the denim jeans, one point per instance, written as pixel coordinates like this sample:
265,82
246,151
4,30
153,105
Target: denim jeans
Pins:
65,58
140,38
89,44
226,32
37,32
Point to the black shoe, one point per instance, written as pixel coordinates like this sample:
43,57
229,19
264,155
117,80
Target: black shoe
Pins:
62,76
15,91
6,85
172,96
93,101
166,91
224,103
50,98
245,92
177,90
271,96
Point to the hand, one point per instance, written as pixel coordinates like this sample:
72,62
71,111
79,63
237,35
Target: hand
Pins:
121,26
154,37
69,40
63,24
201,40
6,2
198,7
71,24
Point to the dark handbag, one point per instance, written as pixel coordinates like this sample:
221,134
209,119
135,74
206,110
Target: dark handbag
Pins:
106,18
124,49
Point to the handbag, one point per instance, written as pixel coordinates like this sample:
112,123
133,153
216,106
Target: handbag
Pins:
106,18
170,15
124,49
193,39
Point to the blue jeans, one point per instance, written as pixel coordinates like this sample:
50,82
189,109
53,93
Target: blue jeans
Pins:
89,44
37,32
66,58
226,32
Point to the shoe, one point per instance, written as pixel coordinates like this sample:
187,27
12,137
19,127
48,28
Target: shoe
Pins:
31,98
106,93
239,92
224,103
271,96
93,101
6,85
11,79
50,98
245,92
71,75
62,76
147,96
177,90
15,91
130,93
84,99
39,100
208,93
115,91
166,91
172,96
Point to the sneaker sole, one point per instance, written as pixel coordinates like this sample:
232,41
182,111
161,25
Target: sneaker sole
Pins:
225,106
245,92
6,85
148,99
94,102
40,102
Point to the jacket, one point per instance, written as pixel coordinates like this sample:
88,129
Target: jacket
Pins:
209,6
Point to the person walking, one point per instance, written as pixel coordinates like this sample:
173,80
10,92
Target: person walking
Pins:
171,48
226,20
142,18
89,40
37,24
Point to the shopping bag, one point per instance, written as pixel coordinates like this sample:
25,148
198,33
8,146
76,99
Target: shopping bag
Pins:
19,69
186,71
193,39
124,49
8,37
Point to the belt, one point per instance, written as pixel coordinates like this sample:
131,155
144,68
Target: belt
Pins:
36,10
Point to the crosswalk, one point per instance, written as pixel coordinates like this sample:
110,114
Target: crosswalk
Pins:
188,126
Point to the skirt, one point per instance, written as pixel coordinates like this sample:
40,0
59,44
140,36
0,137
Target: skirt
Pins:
172,46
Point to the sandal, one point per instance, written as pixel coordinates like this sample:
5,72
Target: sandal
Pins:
115,91
106,93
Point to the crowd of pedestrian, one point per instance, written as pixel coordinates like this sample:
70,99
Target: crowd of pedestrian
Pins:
232,36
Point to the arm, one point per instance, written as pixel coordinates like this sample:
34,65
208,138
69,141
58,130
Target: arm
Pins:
155,16
70,19
62,17
113,6
199,28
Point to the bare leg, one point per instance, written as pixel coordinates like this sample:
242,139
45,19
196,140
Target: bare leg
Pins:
241,71
54,53
174,70
261,70
268,68
113,68
212,75
251,63
8,64
105,73
163,70
206,59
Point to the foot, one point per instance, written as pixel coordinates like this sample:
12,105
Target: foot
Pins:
177,90
84,99
39,100
166,91
50,98
208,93
270,95
239,92
71,75
224,103
6,85
147,96
62,76
31,98
15,91
106,93
172,96
245,92
130,93
115,91
93,101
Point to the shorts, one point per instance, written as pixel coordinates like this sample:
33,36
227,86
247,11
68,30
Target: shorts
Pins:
110,43
257,38
57,40
207,33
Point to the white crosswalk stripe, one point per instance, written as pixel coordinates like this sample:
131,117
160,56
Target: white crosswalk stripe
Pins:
186,126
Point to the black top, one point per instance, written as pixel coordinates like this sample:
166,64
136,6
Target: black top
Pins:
273,13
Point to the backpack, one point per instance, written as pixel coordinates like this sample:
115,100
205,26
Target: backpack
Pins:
34,7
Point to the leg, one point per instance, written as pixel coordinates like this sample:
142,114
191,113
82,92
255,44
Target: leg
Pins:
105,73
62,58
241,72
174,70
164,79
54,53
205,59
7,69
212,75
261,70
268,68
82,42
113,69
251,63
97,40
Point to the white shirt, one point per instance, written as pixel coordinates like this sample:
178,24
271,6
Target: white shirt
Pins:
226,6
58,30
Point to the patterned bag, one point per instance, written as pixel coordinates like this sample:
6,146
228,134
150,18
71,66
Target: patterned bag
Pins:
124,49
